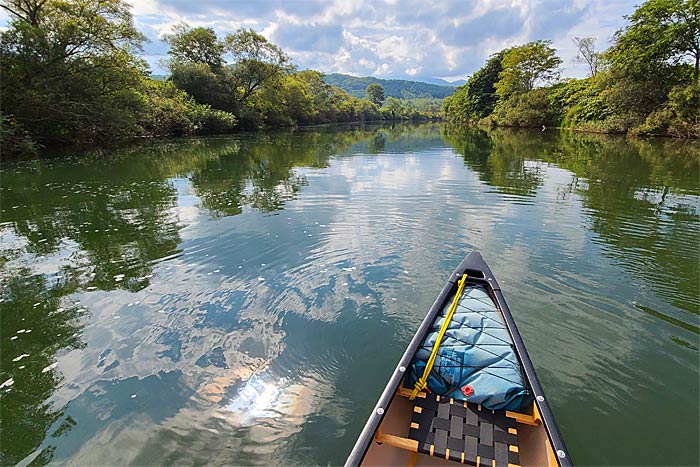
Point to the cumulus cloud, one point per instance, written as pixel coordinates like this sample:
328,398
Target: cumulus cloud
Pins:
416,39
413,71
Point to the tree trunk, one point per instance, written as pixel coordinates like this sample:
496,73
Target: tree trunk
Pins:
696,73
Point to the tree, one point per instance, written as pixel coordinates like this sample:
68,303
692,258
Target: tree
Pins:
195,45
661,33
586,53
256,60
197,67
213,86
526,66
482,86
69,69
375,93
477,98
393,108
26,10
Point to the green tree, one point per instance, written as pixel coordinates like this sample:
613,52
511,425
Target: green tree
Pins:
256,60
320,93
195,45
526,66
477,98
69,69
661,33
197,67
375,93
393,109
215,87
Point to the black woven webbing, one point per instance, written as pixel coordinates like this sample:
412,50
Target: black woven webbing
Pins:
463,429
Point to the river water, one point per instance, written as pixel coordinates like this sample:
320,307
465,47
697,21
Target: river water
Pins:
243,300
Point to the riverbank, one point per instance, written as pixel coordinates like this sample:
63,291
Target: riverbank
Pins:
490,125
678,116
25,149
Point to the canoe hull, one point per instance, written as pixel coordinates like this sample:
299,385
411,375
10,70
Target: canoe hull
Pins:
387,412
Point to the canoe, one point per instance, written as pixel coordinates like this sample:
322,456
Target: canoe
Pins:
479,402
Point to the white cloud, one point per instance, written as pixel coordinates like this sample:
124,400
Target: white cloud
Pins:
382,69
367,63
398,49
413,71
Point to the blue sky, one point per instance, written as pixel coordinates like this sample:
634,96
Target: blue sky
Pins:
408,39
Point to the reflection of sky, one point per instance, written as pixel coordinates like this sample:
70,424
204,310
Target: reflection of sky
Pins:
266,326
256,399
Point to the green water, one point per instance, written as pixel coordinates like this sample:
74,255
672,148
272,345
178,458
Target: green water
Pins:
243,300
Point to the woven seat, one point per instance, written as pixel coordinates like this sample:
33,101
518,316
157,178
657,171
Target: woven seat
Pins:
464,432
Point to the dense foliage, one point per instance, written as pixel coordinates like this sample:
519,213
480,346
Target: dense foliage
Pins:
245,74
66,80
647,83
375,93
71,74
477,98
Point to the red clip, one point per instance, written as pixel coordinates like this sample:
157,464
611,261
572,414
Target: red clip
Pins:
467,390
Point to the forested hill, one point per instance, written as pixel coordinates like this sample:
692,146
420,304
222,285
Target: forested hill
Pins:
397,88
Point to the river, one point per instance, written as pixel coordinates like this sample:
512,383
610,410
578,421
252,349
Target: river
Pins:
243,299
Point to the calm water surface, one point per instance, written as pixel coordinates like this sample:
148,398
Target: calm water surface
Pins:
243,300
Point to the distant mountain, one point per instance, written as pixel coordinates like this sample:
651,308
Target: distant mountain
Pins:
459,82
443,82
398,88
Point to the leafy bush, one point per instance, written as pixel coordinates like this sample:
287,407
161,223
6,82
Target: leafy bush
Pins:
680,117
578,101
684,102
167,110
15,141
164,109
530,109
213,121
613,124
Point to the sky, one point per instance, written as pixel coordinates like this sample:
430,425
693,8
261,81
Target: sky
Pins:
404,39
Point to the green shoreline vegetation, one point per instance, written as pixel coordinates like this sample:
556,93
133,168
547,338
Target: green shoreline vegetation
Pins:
72,75
646,83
